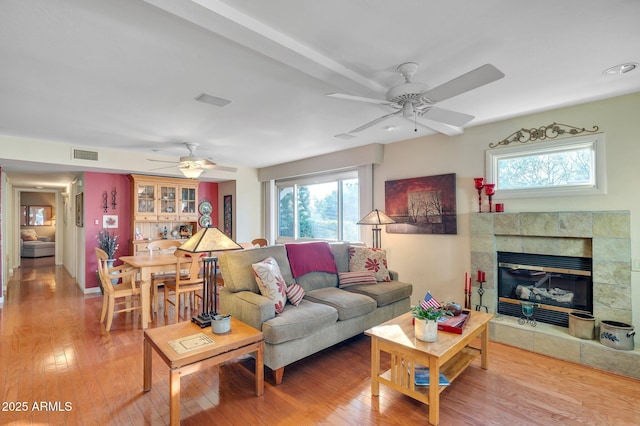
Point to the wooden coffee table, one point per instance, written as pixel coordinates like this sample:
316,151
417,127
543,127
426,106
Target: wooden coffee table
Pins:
195,353
450,355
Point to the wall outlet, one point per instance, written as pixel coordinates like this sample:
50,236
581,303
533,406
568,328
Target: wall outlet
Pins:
635,264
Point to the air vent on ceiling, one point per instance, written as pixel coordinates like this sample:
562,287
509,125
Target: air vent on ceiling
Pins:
83,154
212,100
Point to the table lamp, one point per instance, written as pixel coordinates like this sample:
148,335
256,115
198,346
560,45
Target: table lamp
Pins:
376,218
209,239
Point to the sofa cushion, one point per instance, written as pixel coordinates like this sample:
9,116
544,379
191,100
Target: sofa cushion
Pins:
384,293
270,282
348,305
295,293
369,259
340,252
237,271
300,321
316,280
346,279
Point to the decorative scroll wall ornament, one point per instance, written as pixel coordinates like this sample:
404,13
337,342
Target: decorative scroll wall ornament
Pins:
551,131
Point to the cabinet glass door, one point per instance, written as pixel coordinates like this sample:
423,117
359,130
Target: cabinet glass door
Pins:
188,200
146,198
168,199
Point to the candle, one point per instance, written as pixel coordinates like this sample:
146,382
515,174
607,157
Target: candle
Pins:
466,280
481,276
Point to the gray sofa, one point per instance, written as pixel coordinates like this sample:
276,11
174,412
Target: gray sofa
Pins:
44,247
327,315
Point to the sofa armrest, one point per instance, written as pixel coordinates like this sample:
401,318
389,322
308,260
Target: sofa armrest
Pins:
247,306
395,276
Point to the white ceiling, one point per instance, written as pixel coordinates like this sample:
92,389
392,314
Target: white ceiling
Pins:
124,73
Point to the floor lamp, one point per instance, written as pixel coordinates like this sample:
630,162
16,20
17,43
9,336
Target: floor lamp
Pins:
376,218
208,240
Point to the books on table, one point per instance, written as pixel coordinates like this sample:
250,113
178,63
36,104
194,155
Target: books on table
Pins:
422,377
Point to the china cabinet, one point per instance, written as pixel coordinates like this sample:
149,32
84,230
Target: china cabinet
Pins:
160,208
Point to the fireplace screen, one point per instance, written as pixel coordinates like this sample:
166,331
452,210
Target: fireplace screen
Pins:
556,284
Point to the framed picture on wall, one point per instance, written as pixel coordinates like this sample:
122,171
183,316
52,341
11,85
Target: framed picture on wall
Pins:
110,221
79,209
228,215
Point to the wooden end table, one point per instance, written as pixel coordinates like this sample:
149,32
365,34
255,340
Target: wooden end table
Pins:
241,340
450,355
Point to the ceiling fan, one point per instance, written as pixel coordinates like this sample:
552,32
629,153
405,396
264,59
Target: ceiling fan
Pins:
416,101
192,166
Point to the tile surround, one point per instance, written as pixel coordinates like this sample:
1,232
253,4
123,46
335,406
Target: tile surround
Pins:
603,236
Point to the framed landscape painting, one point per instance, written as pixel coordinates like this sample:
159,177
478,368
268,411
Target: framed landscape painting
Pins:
422,205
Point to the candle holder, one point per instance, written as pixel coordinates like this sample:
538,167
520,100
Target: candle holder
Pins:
479,183
490,191
481,293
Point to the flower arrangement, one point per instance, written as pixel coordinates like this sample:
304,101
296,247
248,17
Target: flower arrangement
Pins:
430,313
108,242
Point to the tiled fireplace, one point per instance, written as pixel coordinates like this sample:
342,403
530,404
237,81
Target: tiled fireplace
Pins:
602,236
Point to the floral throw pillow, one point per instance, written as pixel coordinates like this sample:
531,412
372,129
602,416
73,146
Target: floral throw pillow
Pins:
369,259
270,282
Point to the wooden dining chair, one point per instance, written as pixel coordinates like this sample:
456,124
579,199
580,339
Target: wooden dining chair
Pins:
126,291
187,280
158,278
260,242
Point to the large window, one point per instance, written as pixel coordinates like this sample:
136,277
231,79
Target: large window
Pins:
569,167
323,207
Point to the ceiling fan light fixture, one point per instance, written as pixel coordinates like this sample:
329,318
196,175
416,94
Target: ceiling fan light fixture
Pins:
191,172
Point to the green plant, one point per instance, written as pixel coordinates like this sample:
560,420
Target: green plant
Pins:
432,314
108,242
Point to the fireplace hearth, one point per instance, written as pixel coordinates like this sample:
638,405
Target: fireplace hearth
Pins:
547,287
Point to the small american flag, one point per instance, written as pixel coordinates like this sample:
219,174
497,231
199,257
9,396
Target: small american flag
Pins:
429,302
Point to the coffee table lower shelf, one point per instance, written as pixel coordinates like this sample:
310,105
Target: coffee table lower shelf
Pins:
451,369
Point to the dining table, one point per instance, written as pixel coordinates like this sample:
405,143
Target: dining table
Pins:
149,264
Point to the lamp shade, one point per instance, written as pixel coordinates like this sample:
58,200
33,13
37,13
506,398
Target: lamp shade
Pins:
376,217
207,240
191,172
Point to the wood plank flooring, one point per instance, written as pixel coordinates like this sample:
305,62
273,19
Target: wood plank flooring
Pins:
58,366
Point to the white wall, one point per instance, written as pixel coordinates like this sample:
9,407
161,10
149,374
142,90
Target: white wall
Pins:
439,262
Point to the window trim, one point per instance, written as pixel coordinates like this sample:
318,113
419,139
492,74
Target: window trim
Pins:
310,180
596,142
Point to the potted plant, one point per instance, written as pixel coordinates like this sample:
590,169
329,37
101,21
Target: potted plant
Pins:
426,321
108,241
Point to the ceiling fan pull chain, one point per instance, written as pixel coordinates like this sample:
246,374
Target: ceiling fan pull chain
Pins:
415,119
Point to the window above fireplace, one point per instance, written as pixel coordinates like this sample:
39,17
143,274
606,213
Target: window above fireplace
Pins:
572,166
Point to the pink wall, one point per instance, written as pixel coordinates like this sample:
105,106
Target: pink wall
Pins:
95,184
209,191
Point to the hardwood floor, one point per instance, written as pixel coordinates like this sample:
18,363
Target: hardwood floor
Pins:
54,351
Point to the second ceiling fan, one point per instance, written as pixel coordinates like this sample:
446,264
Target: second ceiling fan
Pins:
416,102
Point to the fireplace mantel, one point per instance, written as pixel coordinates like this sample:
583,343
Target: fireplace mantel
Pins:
603,236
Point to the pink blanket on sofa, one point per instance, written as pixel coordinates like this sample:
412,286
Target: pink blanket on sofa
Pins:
315,256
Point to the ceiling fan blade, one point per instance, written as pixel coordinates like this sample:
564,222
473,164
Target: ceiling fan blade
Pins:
163,161
359,99
438,126
480,76
162,168
374,122
453,118
224,168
